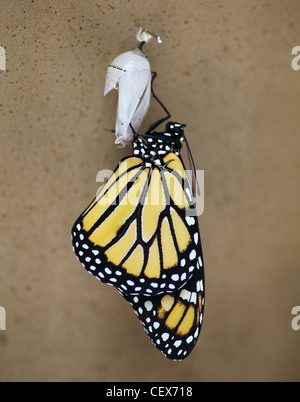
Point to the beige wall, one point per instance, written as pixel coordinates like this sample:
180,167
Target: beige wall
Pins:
224,70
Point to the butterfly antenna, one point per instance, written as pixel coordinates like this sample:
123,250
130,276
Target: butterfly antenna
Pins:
133,130
192,163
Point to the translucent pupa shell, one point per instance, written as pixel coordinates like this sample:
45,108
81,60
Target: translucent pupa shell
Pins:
130,74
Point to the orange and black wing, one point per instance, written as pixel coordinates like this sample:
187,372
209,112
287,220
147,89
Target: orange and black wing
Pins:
139,233
173,321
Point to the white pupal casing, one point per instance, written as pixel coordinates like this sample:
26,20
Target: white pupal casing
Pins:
130,74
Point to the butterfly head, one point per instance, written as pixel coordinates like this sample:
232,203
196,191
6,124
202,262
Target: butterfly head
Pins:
158,143
173,136
175,131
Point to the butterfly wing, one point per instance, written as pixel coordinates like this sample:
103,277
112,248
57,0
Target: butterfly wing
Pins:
173,321
137,234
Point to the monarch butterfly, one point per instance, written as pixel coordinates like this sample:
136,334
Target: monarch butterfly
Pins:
140,234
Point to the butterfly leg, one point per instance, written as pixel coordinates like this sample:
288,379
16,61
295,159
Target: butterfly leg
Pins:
158,122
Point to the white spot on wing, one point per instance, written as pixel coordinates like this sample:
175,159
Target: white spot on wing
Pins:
193,254
189,339
194,298
148,305
196,238
190,220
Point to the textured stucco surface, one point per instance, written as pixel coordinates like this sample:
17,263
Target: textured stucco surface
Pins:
225,70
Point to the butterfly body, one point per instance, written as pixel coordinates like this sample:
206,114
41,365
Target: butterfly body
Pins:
141,235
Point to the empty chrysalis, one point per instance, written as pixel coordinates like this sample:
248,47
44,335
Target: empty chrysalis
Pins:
130,74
